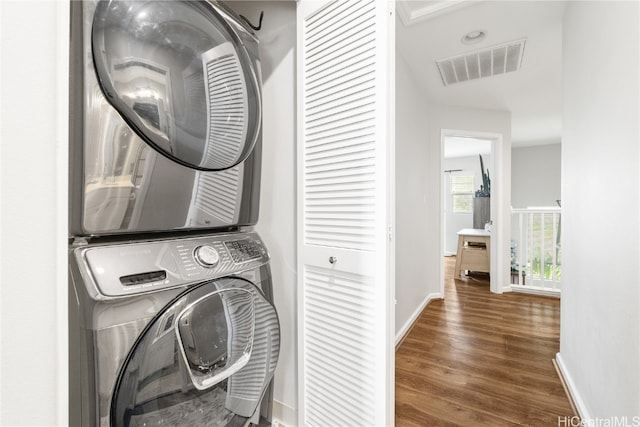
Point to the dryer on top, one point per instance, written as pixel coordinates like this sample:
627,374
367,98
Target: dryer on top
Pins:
165,117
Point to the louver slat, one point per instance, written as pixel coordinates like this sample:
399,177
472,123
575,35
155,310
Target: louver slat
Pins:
340,139
339,382
343,129
339,203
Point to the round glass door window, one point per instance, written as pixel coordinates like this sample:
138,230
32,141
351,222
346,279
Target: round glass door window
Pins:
205,360
181,76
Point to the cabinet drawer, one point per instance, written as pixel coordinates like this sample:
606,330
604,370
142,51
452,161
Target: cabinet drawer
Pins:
475,260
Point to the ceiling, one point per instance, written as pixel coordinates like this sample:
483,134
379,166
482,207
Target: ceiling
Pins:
456,146
431,30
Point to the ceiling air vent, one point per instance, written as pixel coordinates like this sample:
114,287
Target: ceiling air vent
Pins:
487,62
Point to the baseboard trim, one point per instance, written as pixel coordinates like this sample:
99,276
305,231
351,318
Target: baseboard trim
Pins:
283,415
406,328
570,387
534,291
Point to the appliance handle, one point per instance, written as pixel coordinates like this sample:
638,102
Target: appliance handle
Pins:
238,352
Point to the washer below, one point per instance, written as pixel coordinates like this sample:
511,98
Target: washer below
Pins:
172,332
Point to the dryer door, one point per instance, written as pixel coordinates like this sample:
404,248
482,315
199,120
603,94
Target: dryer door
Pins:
206,359
183,75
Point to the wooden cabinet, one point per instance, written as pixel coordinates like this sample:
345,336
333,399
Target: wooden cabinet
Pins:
474,251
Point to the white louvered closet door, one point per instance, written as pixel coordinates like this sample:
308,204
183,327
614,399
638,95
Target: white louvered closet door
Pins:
345,204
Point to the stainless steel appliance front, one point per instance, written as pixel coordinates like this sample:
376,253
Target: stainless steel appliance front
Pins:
165,117
159,337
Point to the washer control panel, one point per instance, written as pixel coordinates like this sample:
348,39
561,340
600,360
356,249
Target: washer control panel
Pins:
244,250
149,266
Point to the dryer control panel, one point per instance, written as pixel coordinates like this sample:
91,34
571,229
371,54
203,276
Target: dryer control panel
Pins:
149,266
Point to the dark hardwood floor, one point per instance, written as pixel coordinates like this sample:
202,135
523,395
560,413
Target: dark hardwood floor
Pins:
481,359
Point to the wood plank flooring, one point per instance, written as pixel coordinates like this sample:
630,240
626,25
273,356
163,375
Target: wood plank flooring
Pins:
481,359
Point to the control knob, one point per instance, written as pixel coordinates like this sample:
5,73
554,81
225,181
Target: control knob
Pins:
207,256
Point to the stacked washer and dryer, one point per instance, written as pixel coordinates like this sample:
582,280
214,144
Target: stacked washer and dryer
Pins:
171,316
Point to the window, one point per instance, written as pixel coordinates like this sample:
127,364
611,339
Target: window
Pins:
462,193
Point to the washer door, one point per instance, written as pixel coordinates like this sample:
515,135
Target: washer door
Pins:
206,359
180,74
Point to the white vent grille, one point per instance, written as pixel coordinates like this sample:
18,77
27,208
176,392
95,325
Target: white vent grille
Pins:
491,61
339,126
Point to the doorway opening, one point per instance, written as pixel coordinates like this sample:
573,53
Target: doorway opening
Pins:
470,203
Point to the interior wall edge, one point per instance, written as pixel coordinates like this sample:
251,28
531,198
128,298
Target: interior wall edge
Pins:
62,211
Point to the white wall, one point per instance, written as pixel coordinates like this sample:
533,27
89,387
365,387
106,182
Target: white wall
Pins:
535,175
33,310
600,329
482,122
455,222
416,193
419,218
277,223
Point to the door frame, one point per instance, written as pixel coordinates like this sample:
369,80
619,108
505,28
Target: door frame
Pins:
500,207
